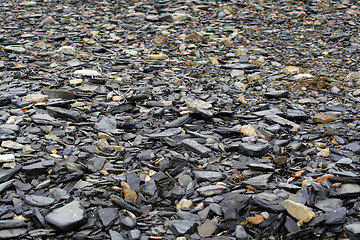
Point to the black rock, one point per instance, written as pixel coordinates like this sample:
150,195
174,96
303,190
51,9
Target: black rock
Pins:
277,94
241,233
180,227
291,226
6,174
268,201
293,114
254,150
12,223
66,114
211,176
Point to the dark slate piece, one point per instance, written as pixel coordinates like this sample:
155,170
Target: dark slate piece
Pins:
6,174
108,216
196,147
254,150
336,216
240,66
268,201
12,223
353,230
277,94
39,201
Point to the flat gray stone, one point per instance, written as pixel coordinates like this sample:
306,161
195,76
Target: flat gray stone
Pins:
241,233
196,147
211,176
70,216
12,233
353,231
108,216
212,190
207,229
329,204
282,121
39,201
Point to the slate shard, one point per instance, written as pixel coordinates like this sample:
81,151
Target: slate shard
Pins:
68,217
254,150
353,230
196,147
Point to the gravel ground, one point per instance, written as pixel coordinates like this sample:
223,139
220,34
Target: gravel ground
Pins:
179,119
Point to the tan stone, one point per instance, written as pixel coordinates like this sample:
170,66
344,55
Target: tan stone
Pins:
47,20
213,60
36,98
76,81
324,117
324,152
184,203
291,70
102,135
248,130
298,210
242,100
298,173
161,40
160,56
12,145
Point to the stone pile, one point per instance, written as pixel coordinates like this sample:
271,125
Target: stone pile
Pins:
179,119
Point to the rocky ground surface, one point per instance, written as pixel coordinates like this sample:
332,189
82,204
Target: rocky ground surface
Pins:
179,119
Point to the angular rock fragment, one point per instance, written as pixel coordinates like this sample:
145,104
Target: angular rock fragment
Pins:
6,174
180,227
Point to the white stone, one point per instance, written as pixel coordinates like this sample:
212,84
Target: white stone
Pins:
197,103
302,75
67,50
36,98
12,145
240,86
88,73
180,16
7,158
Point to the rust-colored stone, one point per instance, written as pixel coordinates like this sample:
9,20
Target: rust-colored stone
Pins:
323,178
256,220
128,192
